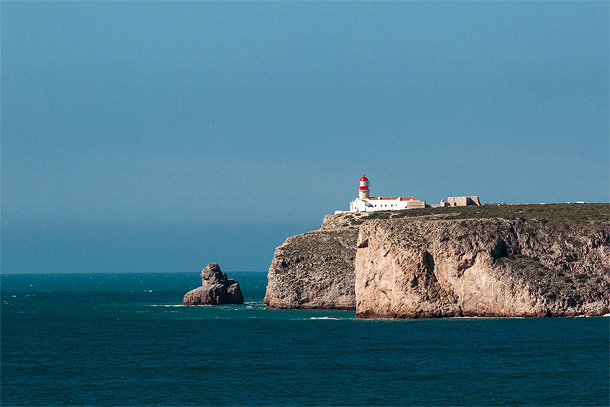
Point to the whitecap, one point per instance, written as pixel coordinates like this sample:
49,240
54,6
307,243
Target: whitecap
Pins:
167,305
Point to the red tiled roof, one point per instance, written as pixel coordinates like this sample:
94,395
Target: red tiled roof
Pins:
393,198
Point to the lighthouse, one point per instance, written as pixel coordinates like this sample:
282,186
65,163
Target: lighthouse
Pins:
366,203
364,188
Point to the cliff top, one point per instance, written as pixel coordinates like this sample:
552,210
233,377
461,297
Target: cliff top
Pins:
572,211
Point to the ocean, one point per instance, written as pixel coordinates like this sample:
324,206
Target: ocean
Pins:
125,339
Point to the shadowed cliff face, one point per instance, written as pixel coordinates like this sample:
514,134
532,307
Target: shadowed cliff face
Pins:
482,267
315,269
526,260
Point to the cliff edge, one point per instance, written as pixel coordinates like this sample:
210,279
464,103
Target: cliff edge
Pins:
315,269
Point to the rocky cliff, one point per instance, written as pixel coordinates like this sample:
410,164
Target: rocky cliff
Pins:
507,260
315,269
526,266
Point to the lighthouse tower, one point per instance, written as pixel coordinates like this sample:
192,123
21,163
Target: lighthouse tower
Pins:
363,193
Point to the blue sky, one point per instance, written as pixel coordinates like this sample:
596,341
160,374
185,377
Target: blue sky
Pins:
160,136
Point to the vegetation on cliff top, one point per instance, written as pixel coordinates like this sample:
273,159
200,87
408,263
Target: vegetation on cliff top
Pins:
589,211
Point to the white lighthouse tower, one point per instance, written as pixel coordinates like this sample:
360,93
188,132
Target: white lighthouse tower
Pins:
363,193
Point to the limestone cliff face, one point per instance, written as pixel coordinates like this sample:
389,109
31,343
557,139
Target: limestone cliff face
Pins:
315,269
491,260
531,266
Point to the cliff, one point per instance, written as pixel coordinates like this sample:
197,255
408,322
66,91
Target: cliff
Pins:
315,269
506,260
482,267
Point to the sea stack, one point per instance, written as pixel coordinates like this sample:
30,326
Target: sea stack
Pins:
215,289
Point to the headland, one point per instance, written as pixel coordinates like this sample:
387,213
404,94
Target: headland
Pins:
489,260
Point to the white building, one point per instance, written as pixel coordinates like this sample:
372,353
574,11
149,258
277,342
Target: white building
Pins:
365,203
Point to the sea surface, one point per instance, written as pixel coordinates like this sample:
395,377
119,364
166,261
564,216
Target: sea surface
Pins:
125,339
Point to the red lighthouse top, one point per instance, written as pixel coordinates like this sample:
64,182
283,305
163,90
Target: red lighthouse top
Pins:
364,183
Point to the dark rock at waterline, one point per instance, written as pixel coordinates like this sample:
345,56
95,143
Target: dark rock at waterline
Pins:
215,289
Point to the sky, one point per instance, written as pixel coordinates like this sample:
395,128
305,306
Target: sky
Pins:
149,136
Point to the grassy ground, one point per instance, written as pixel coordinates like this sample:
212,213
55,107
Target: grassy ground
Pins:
589,211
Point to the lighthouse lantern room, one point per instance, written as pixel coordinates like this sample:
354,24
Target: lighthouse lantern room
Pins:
364,187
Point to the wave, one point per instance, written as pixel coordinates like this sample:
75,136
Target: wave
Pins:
249,305
475,317
176,305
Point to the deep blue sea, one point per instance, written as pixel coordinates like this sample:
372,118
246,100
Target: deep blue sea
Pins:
124,339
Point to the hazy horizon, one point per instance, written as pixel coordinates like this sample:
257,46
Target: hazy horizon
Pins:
162,136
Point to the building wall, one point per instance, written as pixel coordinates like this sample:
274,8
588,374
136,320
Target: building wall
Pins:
416,204
358,205
475,200
456,201
463,201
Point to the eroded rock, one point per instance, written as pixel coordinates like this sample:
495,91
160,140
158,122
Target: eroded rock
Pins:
315,269
482,267
215,289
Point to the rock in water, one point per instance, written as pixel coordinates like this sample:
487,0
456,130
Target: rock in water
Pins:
215,289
